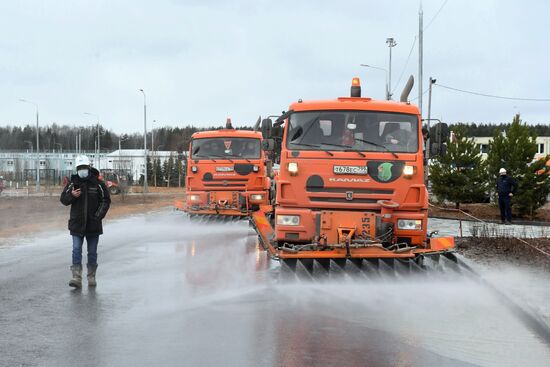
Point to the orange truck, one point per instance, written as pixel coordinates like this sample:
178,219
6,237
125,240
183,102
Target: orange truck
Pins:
351,184
226,173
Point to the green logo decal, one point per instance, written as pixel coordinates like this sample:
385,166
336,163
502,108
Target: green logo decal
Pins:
384,171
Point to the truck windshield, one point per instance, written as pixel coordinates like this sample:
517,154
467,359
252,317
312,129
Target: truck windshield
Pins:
370,131
228,147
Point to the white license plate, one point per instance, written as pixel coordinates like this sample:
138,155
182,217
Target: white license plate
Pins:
350,170
224,169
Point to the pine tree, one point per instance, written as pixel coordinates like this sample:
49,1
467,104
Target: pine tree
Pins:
149,171
459,175
158,172
514,150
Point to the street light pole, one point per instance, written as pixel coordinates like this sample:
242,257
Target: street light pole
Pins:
145,190
119,150
98,140
153,153
420,56
391,44
37,144
59,159
384,70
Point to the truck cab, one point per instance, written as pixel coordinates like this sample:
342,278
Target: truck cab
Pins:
351,180
226,173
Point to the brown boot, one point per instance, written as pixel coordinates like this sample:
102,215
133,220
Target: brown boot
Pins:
91,275
76,280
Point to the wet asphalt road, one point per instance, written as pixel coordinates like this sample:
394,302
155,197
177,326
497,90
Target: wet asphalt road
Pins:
171,292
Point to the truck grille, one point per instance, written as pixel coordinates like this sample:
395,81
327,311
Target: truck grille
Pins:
343,190
343,200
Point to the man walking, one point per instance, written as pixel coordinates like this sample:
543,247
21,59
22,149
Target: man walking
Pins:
89,200
506,187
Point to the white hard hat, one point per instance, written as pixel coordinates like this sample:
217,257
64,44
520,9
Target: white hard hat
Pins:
82,160
502,171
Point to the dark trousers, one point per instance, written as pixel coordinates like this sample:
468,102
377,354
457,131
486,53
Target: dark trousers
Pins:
505,208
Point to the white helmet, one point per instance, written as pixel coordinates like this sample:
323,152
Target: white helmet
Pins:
502,171
82,160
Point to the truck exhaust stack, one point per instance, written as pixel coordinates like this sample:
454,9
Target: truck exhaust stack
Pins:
407,89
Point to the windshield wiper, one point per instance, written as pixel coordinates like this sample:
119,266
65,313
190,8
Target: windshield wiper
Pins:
314,146
346,150
222,156
205,156
378,145
240,157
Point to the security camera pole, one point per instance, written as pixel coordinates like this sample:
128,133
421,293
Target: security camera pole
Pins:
145,190
37,145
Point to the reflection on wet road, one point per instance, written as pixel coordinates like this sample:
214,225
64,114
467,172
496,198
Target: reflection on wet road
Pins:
173,292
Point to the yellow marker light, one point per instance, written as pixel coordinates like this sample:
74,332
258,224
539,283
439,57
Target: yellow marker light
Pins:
356,82
408,170
256,197
293,168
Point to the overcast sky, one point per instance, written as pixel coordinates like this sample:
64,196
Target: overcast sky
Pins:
201,61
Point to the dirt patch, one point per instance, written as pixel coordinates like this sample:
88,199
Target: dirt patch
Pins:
25,215
506,251
484,211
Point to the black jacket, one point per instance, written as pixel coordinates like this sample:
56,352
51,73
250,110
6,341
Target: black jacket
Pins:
90,208
506,185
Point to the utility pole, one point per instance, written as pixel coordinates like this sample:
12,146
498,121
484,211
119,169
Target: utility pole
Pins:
37,144
420,55
391,44
145,189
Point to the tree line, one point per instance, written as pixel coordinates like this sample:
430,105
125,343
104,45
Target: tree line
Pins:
461,176
488,130
63,137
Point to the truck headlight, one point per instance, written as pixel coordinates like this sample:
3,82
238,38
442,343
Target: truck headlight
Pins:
194,197
288,220
293,168
256,197
255,168
408,170
194,169
414,224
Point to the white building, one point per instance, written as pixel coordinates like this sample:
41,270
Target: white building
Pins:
543,146
21,166
132,161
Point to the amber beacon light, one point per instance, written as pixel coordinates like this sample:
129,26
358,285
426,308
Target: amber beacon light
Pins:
355,87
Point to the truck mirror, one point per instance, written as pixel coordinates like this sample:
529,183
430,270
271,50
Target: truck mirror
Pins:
441,132
277,131
267,126
434,149
268,145
438,149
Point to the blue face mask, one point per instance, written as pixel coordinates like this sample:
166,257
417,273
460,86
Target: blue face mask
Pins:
83,173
